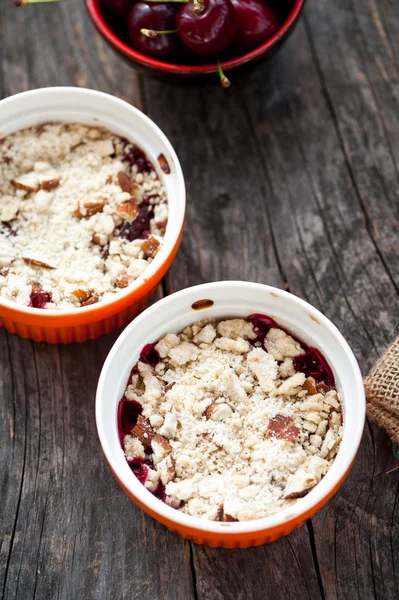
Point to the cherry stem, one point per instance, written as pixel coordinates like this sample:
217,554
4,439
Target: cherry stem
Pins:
198,4
150,33
26,2
226,83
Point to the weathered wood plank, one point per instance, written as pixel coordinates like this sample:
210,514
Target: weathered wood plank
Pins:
292,180
361,81
278,571
74,533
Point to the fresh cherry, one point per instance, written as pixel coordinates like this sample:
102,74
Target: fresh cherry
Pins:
210,31
154,17
256,23
119,8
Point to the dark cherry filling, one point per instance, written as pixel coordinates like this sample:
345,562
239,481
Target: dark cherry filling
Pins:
149,355
39,299
141,472
6,225
128,411
135,156
312,363
262,324
140,227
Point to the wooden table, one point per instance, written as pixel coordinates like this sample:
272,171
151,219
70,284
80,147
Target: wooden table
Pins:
293,180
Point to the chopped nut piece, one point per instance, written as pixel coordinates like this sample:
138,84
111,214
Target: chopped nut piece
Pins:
309,385
128,210
36,286
143,431
34,262
161,447
50,184
322,387
299,484
229,519
150,247
100,239
167,469
92,300
219,513
123,280
218,412
28,182
82,295
282,428
89,209
125,183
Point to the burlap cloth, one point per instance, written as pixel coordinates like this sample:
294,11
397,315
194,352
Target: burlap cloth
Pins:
382,391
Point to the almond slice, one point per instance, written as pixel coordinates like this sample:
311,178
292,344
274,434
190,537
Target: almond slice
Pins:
282,428
34,262
218,412
150,247
123,280
310,386
128,210
82,295
219,513
160,447
229,519
143,431
36,286
299,484
50,184
94,298
167,469
91,208
28,182
125,183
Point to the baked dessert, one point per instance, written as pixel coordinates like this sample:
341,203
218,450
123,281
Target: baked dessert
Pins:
230,420
83,213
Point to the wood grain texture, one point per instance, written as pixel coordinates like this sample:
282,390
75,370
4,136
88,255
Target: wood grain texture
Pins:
292,179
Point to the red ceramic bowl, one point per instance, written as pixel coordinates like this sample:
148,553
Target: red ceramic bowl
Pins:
288,12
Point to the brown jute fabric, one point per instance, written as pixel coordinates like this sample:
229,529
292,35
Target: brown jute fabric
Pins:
382,391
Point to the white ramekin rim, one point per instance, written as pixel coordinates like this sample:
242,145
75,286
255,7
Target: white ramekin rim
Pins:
328,484
177,204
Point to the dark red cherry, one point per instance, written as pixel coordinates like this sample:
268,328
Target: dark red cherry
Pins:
119,8
209,32
256,23
157,17
39,299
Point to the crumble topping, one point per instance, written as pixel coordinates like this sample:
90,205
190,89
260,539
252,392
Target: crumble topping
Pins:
219,422
82,215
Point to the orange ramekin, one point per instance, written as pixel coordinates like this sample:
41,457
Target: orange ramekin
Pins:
231,299
89,107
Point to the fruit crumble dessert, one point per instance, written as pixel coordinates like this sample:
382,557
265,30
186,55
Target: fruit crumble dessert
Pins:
82,215
230,420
